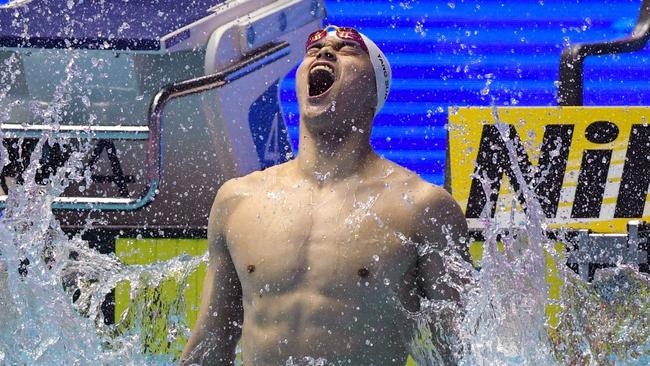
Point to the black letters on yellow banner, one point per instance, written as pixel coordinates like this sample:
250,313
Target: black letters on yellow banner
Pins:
547,178
636,174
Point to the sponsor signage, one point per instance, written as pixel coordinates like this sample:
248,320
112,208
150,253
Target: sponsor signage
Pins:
116,168
588,166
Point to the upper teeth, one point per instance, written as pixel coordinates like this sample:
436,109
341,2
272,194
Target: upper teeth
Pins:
323,67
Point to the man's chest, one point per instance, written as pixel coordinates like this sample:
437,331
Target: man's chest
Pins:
282,241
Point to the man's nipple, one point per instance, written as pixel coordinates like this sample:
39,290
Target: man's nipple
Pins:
363,272
250,268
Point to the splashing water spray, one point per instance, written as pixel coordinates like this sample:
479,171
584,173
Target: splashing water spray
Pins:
40,322
500,320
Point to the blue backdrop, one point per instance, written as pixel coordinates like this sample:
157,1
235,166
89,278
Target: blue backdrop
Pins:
459,53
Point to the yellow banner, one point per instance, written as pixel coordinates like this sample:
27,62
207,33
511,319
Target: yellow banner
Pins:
588,166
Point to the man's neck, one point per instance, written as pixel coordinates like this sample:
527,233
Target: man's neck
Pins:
327,159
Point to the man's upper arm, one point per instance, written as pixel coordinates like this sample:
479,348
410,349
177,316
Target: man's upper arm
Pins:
225,290
444,260
218,326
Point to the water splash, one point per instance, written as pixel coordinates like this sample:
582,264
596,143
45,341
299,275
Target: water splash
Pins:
512,287
38,275
501,319
605,322
43,325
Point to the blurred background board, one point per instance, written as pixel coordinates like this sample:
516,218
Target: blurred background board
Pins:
119,25
464,53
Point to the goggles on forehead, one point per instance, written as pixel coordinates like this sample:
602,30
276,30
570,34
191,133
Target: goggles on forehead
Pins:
345,33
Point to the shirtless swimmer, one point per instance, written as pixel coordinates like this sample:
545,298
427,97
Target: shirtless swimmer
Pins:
317,258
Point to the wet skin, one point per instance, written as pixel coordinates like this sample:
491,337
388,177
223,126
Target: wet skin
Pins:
318,257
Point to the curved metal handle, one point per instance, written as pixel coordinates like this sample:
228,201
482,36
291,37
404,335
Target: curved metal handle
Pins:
573,57
263,56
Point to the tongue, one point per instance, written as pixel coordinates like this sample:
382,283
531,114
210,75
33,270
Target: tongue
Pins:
319,82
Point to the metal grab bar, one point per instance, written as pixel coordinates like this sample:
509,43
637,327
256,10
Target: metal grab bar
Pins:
14,130
573,57
263,56
610,248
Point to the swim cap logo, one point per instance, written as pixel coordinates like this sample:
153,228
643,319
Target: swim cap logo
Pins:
382,72
385,71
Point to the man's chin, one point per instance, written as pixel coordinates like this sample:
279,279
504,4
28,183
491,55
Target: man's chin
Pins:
318,111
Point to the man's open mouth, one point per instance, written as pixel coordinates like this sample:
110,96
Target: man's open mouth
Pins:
321,79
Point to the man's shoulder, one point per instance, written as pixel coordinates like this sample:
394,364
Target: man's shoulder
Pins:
249,184
429,201
422,191
433,214
235,191
434,202
434,196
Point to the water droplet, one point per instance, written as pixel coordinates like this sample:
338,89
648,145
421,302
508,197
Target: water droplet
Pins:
123,27
419,29
405,5
85,100
486,90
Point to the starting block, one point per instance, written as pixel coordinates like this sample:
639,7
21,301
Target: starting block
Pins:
174,98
